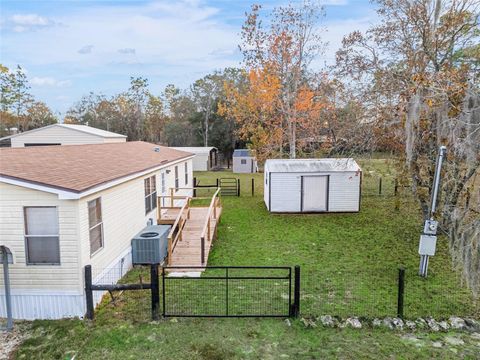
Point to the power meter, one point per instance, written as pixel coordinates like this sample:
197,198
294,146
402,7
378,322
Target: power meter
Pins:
430,227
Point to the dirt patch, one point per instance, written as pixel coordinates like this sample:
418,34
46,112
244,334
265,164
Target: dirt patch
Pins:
9,340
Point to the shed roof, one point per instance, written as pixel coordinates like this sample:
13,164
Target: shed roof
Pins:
82,128
312,165
195,149
77,168
242,153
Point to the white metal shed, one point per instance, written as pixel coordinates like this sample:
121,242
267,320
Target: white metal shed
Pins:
312,185
206,157
244,161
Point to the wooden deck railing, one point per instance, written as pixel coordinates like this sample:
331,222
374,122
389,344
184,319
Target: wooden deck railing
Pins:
175,233
212,214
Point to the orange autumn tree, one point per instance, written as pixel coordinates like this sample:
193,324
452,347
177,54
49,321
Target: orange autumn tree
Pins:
254,109
279,55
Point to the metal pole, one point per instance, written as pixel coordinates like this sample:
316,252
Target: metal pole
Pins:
436,180
155,290
8,296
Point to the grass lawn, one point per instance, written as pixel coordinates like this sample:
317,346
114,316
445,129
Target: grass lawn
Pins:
349,267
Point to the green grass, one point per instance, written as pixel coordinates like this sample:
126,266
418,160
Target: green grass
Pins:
349,267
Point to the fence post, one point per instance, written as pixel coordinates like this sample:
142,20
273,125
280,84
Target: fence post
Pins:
253,186
395,189
217,183
238,187
155,290
401,289
296,293
380,186
194,187
163,291
89,292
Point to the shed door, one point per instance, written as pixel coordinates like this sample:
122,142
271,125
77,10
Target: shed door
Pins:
314,193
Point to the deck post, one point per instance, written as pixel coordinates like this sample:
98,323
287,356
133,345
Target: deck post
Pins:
88,292
202,249
169,250
208,227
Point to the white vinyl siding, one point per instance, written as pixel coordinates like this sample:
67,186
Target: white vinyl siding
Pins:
123,214
37,278
60,135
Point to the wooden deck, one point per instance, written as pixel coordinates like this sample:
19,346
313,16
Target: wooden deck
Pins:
193,229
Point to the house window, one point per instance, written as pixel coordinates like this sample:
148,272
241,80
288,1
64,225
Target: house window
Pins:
186,173
243,161
42,241
176,178
150,194
95,225
164,187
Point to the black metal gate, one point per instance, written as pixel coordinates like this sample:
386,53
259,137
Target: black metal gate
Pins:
231,291
229,186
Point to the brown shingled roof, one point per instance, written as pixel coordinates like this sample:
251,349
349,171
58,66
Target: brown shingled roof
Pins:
80,167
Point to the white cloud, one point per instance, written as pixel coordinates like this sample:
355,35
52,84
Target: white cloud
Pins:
25,22
49,81
30,20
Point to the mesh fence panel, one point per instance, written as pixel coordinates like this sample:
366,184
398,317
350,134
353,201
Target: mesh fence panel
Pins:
229,292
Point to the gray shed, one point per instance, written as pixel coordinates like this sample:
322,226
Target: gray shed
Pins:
312,185
244,161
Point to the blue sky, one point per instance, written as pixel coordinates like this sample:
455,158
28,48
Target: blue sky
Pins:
72,47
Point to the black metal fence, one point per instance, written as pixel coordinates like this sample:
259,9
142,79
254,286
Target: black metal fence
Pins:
385,292
221,291
230,291
150,292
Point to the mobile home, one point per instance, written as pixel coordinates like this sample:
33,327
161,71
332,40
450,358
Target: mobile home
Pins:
62,134
64,207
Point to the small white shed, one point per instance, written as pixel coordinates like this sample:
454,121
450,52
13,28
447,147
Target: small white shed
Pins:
206,157
312,185
63,134
244,161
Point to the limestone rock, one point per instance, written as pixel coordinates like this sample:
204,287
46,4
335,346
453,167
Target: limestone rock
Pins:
377,322
354,323
410,324
433,325
457,323
398,323
421,323
328,320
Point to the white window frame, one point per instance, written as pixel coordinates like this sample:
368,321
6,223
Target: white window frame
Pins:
151,197
90,228
26,236
186,174
163,183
